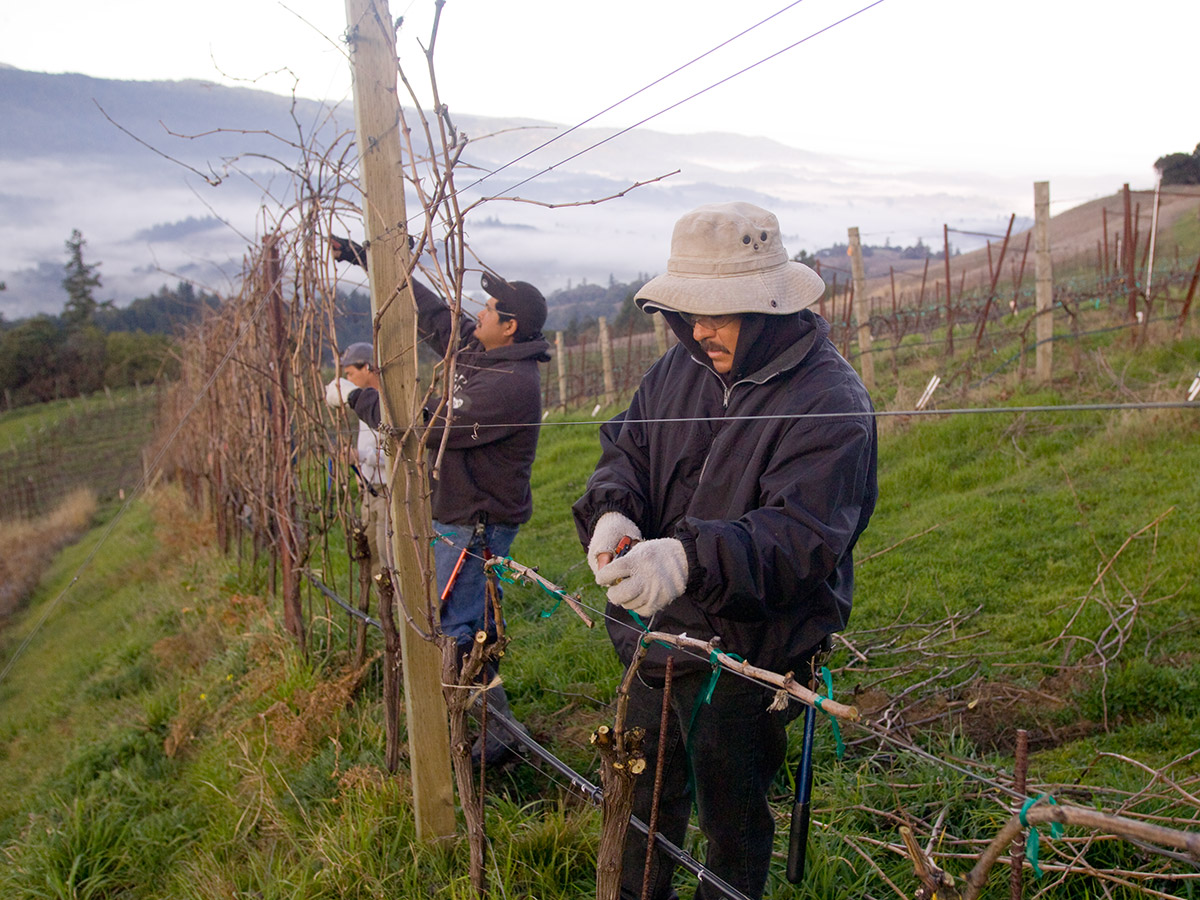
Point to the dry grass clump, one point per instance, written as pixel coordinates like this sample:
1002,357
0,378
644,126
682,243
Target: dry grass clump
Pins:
183,531
26,547
312,716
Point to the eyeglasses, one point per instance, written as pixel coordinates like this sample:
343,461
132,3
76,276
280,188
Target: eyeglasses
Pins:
711,323
503,316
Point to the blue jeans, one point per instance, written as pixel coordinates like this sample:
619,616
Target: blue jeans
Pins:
736,747
466,610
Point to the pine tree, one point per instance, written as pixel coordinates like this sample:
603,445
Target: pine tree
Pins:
79,284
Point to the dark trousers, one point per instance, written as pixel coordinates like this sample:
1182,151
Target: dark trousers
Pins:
736,747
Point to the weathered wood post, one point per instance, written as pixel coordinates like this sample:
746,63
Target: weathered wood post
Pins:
372,42
1129,255
1104,231
1187,301
1149,264
1016,879
1044,278
862,312
949,306
560,354
660,334
606,363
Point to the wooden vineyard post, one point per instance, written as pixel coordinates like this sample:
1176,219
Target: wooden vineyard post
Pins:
1129,255
1044,279
949,307
660,334
861,312
606,363
372,42
560,356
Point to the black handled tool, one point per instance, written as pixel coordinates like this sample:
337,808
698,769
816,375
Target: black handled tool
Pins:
798,846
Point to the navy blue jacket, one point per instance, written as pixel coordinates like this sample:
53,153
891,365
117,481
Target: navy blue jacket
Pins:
494,421
767,493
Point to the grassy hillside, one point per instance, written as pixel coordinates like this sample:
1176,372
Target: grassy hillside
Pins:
162,738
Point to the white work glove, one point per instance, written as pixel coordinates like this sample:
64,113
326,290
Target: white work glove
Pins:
648,577
611,527
338,390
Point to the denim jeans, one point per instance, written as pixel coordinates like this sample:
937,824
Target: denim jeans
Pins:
736,747
466,610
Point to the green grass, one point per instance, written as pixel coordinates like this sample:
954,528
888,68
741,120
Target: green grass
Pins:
1186,233
161,737
16,424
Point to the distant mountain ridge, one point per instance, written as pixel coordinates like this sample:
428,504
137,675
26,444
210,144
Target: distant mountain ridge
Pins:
139,189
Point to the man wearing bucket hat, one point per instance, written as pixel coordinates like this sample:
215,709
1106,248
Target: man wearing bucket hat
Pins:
481,496
745,470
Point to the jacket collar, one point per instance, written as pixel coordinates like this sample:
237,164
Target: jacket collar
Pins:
537,350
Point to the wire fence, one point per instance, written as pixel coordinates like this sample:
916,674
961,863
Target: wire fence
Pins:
96,444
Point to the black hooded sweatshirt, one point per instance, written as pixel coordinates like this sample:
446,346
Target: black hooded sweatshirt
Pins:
767,476
495,415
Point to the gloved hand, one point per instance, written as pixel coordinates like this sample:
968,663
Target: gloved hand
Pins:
346,250
648,577
610,528
342,385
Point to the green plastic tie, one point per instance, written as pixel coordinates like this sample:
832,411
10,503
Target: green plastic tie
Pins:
504,572
437,537
827,677
716,673
1034,839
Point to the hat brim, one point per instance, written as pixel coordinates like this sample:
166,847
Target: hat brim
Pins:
776,291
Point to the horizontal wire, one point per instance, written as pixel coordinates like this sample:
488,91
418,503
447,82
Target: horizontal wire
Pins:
875,413
881,734
629,97
689,98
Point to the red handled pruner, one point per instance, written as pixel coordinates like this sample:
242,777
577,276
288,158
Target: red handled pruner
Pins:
624,545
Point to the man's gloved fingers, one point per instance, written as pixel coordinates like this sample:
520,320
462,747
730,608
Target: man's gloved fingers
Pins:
628,593
609,529
615,571
657,572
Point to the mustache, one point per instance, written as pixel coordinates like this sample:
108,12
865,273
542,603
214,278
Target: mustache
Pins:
708,345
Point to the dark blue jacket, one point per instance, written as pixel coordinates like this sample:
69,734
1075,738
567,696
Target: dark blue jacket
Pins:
495,414
767,478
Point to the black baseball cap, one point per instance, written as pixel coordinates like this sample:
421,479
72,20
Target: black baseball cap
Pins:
519,300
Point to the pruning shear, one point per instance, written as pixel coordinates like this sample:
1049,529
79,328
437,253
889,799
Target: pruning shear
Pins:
624,545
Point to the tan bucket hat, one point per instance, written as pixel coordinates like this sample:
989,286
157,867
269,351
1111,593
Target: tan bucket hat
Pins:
729,258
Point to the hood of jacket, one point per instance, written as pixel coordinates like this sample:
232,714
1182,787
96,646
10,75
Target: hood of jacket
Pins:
767,344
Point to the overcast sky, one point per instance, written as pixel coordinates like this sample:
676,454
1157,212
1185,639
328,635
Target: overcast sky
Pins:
1032,88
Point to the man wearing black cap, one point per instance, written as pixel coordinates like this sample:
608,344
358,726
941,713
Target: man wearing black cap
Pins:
481,495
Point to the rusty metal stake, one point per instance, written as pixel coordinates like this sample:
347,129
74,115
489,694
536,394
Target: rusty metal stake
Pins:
658,776
1016,880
